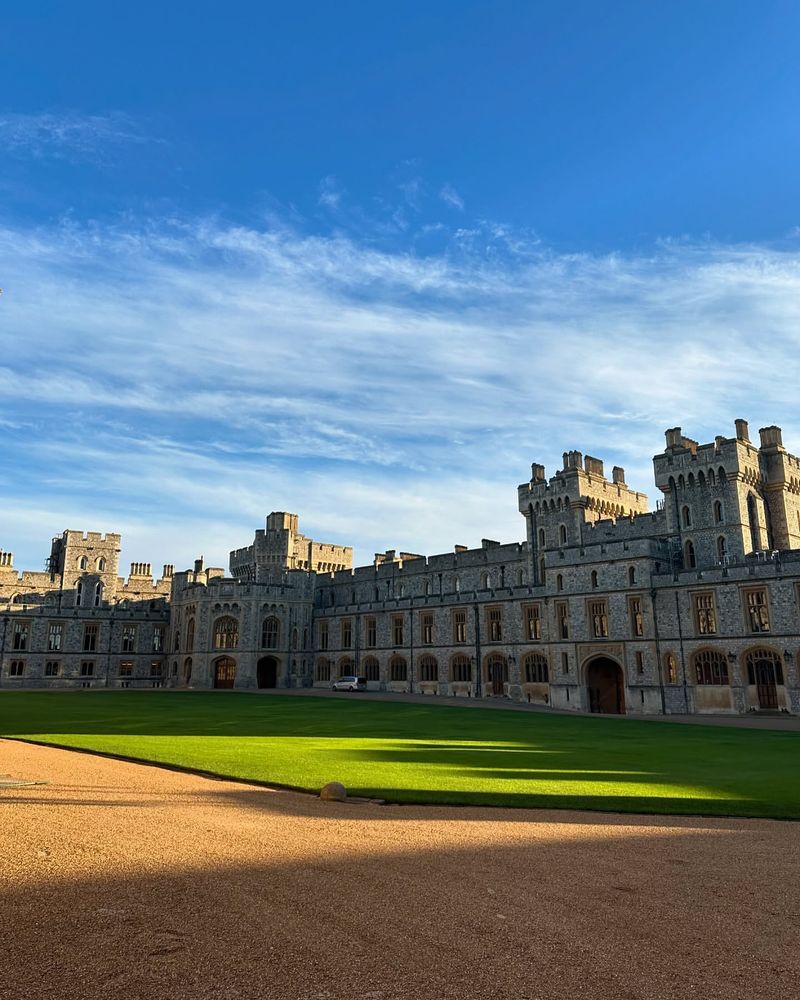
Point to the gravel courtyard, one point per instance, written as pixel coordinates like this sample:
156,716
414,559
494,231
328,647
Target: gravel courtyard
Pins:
131,881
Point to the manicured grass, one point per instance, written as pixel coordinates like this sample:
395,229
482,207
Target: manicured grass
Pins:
429,753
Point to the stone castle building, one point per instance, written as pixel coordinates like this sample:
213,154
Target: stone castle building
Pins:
605,607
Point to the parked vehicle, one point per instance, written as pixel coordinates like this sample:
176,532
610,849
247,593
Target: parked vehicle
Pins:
350,684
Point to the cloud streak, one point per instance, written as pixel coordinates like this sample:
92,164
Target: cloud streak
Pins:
180,378
67,135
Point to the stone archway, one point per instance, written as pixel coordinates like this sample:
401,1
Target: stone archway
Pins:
267,672
605,686
224,672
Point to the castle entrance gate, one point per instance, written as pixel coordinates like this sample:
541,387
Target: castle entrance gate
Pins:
224,672
605,685
267,672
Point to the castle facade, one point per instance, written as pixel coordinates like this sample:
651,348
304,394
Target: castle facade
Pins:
604,607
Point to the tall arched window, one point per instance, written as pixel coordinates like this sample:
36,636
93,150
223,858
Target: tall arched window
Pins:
79,593
428,669
710,667
398,669
370,668
687,517
83,563
559,582
631,575
226,633
755,530
691,562
457,585
98,594
270,633
484,581
460,669
594,579
562,534
101,565
541,537
520,577
190,634
671,668
717,512
722,548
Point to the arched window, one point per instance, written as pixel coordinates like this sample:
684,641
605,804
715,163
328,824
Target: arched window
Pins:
671,668
755,529
457,585
520,577
190,634
710,667
346,667
79,593
536,671
484,581
226,633
427,588
541,570
691,562
722,548
562,534
631,575
594,579
402,591
428,669
187,670
722,476
101,565
460,669
711,477
717,512
295,635
497,669
541,537
98,594
559,582
371,669
322,669
83,563
398,669
270,633
687,517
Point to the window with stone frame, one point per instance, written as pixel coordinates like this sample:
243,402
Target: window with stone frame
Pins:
52,668
494,624
671,668
536,669
565,664
398,669
427,628
322,669
532,616
87,668
323,640
90,633
371,669
757,610
459,626
226,632
371,633
55,634
598,616
397,630
156,668
16,668
158,638
128,638
636,617
190,635
20,636
126,668
639,658
347,633
705,614
428,669
270,632
562,617
460,669
710,667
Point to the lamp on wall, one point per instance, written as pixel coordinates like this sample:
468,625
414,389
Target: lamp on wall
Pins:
788,655
731,657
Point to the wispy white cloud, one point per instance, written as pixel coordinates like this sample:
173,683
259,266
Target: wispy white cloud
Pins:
451,197
179,379
67,134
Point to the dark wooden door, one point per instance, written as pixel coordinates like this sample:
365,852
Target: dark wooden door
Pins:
224,673
766,686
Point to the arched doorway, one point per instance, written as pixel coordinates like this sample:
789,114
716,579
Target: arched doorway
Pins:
605,686
224,672
267,672
765,673
497,675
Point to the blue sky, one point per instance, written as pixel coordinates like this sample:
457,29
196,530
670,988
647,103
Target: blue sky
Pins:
368,263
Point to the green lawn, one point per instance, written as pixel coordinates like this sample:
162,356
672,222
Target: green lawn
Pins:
429,753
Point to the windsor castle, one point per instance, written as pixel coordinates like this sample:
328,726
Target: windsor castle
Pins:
604,607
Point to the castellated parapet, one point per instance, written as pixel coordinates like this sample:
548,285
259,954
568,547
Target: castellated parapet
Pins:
280,546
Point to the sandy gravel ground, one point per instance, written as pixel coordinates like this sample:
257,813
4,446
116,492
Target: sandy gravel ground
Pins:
126,881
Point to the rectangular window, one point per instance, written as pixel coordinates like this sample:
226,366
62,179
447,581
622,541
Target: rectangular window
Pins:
371,640
54,633
156,668
705,615
126,668
598,613
90,638
565,663
562,617
87,668
17,668
323,635
128,638
158,639
51,668
757,611
533,622
347,633
397,630
494,624
635,611
20,635
427,628
639,663
459,625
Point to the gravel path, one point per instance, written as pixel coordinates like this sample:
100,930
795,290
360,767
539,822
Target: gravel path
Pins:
121,880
